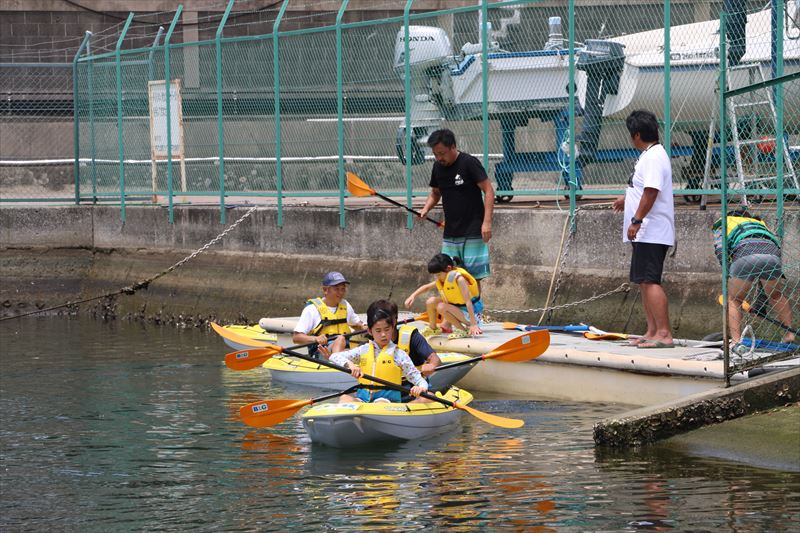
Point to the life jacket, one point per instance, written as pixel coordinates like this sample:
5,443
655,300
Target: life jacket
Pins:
450,291
331,323
741,228
404,337
382,366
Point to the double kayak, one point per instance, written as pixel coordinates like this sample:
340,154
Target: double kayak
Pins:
296,371
344,425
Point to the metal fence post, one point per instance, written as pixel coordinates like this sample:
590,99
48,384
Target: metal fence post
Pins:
777,71
723,141
168,97
485,80
276,81
667,80
76,122
220,128
90,69
340,109
407,95
118,59
572,178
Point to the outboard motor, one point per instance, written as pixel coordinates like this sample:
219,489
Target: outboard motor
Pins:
429,53
603,62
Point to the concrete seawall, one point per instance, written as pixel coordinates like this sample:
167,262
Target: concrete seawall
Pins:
52,254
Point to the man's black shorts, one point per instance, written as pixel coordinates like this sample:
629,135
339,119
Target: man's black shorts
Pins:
647,262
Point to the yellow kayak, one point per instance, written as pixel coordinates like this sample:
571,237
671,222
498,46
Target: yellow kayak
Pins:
344,425
243,337
287,369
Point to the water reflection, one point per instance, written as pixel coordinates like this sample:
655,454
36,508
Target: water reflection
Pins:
124,427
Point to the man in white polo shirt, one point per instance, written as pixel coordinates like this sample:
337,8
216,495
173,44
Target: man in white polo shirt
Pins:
649,225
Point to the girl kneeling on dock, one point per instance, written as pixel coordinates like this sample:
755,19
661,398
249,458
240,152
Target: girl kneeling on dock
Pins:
459,300
380,358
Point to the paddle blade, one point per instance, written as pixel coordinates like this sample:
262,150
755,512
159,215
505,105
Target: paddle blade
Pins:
248,359
357,187
605,336
510,325
268,413
499,421
523,348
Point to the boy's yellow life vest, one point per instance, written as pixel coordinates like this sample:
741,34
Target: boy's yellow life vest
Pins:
382,366
451,293
332,323
404,337
740,228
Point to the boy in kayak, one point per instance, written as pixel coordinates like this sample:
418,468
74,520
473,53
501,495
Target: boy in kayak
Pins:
381,358
459,300
325,318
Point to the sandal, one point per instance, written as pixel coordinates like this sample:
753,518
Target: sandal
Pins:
458,334
430,332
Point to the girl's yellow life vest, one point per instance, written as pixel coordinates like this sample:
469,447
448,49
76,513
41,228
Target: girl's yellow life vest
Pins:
382,366
450,291
332,323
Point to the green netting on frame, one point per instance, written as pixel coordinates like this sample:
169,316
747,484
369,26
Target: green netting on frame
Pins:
539,92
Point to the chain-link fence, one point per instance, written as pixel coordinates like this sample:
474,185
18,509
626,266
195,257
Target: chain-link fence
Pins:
36,141
539,92
267,103
756,169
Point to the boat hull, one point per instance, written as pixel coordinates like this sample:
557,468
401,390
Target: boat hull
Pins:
345,425
295,371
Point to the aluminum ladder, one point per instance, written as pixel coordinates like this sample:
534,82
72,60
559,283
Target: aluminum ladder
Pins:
748,114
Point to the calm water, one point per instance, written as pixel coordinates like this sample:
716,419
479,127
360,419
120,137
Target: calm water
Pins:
127,427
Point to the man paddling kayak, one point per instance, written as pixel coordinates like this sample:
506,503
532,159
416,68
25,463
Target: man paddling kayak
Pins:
325,317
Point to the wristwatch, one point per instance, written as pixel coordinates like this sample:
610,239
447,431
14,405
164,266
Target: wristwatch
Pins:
636,221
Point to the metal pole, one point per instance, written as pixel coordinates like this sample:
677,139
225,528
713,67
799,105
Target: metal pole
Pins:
168,97
572,177
777,71
91,120
220,128
667,79
276,82
485,80
75,111
407,95
723,142
117,56
340,109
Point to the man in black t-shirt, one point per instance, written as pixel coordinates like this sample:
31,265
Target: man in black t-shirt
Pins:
460,182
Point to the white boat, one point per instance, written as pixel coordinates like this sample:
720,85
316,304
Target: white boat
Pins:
694,70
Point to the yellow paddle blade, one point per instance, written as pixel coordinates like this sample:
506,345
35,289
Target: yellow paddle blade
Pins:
235,337
268,413
499,421
251,358
605,336
523,348
510,325
357,187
